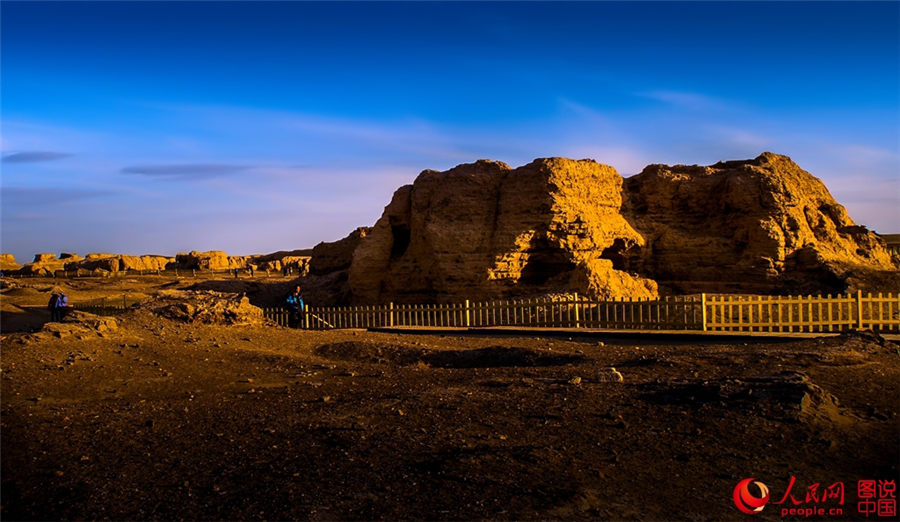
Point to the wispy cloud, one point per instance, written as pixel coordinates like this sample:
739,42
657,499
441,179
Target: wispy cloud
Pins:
693,101
34,156
186,171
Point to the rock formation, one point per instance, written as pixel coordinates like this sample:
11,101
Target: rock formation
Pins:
484,231
43,264
219,260
753,226
118,262
336,255
78,324
297,260
8,263
487,231
326,283
211,260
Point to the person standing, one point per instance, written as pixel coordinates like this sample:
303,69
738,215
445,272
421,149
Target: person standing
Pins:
58,303
235,273
51,305
294,304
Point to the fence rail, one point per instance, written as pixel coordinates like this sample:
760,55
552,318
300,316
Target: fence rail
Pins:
703,312
106,305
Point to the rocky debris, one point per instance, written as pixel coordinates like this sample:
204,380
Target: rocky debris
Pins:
762,225
487,231
609,375
855,346
864,337
484,230
199,306
788,395
94,322
80,325
8,263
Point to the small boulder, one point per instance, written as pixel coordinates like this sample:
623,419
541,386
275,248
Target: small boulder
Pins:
609,375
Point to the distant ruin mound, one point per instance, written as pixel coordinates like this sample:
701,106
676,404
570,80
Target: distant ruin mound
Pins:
485,231
104,264
8,262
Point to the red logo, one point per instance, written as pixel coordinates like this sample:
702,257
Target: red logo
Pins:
746,501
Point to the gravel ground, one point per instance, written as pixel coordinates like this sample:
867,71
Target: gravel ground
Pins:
158,419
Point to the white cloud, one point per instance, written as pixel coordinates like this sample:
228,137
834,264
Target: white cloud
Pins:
692,101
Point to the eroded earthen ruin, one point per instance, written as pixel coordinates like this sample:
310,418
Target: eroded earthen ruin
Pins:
486,231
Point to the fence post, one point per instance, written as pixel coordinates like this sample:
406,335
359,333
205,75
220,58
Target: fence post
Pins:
307,310
703,310
859,315
577,322
467,313
391,316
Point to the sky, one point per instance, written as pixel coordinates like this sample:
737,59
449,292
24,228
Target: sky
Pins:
164,127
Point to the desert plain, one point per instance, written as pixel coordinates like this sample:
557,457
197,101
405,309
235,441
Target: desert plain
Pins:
146,415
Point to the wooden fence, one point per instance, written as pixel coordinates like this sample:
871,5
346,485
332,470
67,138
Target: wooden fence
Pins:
106,305
703,312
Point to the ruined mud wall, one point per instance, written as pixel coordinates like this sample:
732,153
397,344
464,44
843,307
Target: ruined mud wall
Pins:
487,231
762,225
484,230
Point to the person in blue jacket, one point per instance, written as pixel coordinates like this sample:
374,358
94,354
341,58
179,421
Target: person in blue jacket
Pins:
294,304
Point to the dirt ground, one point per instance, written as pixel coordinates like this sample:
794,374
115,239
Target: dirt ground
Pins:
158,419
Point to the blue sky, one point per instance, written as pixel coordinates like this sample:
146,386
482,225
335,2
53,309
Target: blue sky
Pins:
161,127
